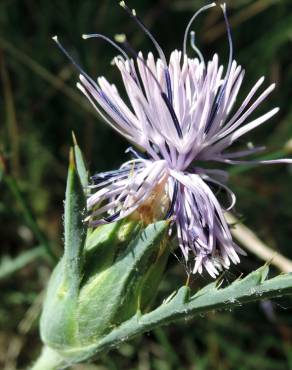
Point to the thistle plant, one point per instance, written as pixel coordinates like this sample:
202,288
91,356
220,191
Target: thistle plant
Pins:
121,227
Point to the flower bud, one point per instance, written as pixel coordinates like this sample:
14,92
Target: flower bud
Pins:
102,280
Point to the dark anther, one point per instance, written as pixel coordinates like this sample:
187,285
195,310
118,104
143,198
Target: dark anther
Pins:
223,87
173,115
112,217
173,201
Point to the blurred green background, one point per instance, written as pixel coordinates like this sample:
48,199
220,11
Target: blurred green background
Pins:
40,107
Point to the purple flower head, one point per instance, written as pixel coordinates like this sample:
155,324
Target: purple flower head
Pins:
181,113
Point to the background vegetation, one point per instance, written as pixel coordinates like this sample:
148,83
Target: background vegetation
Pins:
40,107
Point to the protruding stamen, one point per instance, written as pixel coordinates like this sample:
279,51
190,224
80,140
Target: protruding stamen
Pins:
168,84
107,39
223,7
161,54
76,65
121,37
173,115
196,49
191,22
223,87
139,22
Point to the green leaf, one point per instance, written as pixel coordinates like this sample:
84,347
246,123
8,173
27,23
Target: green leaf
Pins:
10,265
183,305
28,215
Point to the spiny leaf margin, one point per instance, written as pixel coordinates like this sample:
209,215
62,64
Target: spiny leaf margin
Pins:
183,305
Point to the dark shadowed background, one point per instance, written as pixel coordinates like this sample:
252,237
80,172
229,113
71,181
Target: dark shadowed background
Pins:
40,107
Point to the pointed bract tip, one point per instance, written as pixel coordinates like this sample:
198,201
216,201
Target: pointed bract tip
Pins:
74,139
120,38
122,4
86,36
55,38
134,13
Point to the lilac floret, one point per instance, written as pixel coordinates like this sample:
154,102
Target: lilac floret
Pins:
180,112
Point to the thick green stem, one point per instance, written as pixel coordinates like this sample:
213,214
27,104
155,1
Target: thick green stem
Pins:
49,360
